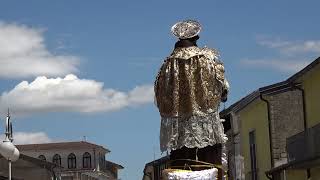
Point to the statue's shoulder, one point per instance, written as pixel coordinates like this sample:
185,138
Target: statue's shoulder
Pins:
211,53
214,55
189,52
186,52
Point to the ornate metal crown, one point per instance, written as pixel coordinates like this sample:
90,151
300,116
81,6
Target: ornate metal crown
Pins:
186,29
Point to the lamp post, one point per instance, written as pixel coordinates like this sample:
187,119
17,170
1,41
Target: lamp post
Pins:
7,149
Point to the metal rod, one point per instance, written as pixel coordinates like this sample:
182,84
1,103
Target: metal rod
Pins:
9,162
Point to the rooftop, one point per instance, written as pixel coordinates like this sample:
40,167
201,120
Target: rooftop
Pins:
38,162
109,163
60,145
289,83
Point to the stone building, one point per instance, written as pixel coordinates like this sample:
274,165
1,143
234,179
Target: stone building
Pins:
268,125
79,160
286,118
29,168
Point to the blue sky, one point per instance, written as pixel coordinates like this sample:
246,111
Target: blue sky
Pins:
113,49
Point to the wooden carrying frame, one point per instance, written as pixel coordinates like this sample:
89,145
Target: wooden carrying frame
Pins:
190,166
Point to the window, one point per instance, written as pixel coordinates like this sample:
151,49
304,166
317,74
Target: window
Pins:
56,159
72,161
42,157
86,160
253,158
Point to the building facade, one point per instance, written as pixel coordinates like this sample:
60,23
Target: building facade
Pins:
29,168
274,130
79,160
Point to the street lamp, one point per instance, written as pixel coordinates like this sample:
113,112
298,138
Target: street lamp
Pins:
7,149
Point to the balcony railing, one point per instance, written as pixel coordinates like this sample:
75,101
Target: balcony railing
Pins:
304,145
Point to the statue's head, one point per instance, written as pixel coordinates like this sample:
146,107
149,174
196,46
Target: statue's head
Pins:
187,33
186,29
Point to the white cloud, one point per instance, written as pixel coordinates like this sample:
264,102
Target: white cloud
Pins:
23,54
291,56
29,138
276,64
290,47
71,94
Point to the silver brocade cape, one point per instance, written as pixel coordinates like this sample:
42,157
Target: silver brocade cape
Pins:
188,92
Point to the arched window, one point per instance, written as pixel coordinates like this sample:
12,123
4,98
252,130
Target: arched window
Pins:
86,160
56,159
72,162
42,157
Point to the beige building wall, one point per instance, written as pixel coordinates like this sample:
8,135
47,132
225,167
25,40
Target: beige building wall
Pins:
254,118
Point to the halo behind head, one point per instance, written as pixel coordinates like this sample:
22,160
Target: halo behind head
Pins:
186,29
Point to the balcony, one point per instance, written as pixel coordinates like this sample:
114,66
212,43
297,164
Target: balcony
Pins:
304,147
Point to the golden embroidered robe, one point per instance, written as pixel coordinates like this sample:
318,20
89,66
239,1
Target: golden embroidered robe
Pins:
188,92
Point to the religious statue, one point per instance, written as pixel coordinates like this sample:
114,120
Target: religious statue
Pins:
188,90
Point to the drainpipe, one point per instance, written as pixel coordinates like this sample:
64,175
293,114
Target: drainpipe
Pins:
269,128
304,116
270,135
